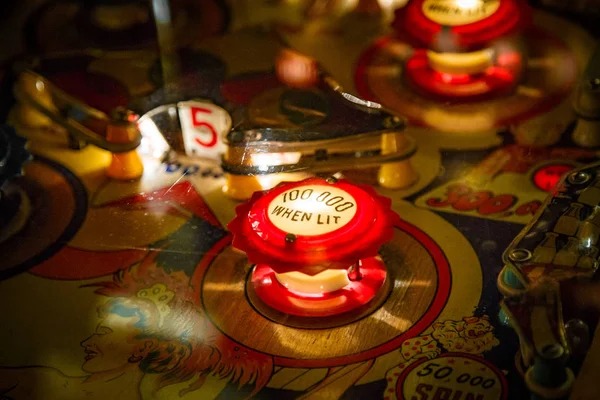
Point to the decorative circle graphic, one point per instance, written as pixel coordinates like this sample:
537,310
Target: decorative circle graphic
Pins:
59,204
448,375
363,339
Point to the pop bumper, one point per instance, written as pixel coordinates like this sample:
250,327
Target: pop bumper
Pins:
315,245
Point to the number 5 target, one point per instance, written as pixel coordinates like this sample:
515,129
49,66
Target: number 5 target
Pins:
203,126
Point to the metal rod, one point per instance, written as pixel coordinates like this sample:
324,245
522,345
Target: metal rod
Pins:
171,69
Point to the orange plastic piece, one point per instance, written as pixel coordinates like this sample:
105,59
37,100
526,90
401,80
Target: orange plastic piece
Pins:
128,165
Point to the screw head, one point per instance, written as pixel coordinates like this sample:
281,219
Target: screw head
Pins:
393,121
290,238
253,135
121,114
236,136
519,255
578,178
594,83
331,180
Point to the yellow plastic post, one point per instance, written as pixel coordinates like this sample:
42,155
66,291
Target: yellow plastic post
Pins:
397,175
239,187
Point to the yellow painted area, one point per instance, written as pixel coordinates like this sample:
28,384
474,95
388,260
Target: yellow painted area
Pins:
53,318
209,390
285,376
111,228
510,183
222,207
337,383
311,377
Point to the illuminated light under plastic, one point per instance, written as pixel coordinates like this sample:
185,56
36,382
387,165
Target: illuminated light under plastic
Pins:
509,58
312,210
467,4
459,12
450,78
327,281
268,181
547,177
475,62
269,159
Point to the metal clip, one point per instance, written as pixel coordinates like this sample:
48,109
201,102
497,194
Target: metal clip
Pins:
70,113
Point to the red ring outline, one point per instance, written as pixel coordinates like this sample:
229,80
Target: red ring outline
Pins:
436,307
402,378
348,298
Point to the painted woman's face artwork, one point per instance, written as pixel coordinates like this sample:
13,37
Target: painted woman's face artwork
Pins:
152,323
113,345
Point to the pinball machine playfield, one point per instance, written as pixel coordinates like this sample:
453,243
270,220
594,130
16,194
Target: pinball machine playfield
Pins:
429,139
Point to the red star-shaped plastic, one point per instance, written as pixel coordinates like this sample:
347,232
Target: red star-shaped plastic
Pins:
265,243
